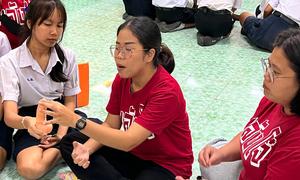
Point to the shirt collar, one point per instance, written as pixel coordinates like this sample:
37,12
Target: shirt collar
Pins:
28,60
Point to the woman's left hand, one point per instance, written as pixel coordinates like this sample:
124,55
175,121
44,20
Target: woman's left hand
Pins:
49,141
60,113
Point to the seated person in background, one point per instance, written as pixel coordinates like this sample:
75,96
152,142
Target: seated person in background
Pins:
269,145
278,16
146,133
4,48
12,18
174,15
39,68
214,20
134,8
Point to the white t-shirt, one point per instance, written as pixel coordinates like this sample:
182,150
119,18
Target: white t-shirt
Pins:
220,4
23,81
4,44
173,3
262,7
288,8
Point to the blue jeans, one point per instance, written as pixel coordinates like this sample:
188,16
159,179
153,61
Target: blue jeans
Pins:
262,32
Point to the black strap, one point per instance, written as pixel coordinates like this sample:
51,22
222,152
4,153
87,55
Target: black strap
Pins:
286,19
10,24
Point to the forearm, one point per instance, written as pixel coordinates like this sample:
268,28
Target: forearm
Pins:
70,104
231,151
94,145
115,138
267,11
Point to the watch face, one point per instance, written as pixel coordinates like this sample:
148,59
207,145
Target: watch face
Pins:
81,123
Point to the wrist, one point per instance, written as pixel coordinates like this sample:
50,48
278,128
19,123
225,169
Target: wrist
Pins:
23,121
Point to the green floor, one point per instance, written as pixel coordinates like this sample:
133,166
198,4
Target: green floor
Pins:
222,84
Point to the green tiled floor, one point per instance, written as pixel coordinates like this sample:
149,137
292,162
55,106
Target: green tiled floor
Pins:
221,83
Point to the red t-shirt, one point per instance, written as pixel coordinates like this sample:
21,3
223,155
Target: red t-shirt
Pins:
159,107
270,144
15,10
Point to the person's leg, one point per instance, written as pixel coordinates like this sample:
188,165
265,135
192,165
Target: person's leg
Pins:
5,143
243,16
3,156
108,163
99,167
139,8
155,172
34,162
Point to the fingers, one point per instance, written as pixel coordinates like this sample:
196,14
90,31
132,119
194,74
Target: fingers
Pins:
205,155
38,134
179,178
48,103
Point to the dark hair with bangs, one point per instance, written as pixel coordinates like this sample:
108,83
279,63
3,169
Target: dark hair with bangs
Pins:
289,42
148,34
37,12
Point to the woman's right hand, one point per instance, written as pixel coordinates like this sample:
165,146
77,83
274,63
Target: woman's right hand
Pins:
29,124
210,155
80,155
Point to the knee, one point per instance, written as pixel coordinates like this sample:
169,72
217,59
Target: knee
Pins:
30,170
3,156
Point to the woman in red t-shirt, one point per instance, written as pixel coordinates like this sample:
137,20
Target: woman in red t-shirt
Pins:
269,145
12,18
146,133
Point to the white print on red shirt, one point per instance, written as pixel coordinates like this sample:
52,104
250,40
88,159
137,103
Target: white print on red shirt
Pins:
127,118
255,144
14,12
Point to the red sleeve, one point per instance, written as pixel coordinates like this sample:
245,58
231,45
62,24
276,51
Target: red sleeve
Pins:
284,162
113,106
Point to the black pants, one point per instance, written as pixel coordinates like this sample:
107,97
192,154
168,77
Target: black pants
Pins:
111,164
213,23
171,15
139,8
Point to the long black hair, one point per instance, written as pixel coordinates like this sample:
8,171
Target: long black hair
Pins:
37,12
289,42
148,34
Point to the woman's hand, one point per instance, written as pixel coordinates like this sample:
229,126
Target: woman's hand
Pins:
29,124
60,113
80,155
49,141
180,178
210,155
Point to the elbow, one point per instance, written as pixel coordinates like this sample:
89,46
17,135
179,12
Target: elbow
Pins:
129,147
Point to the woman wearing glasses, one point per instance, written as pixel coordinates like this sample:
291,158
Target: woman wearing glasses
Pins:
269,145
146,133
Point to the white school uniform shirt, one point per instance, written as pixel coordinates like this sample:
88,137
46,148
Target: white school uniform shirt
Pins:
4,44
262,7
290,8
23,81
220,4
173,3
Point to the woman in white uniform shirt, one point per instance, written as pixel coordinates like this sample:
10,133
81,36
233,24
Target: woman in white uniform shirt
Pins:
38,69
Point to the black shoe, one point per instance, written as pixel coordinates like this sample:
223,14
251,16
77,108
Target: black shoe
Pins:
207,40
164,27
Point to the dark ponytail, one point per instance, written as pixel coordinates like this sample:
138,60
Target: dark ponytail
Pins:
148,34
57,73
165,58
36,13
